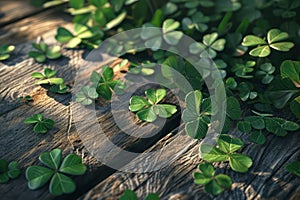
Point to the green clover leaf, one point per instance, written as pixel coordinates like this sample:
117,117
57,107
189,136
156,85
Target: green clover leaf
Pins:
56,172
294,168
8,171
86,95
213,184
43,52
5,51
226,151
47,77
274,38
148,110
41,125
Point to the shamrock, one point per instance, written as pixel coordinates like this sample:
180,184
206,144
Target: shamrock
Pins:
47,77
87,36
43,52
41,125
56,170
5,51
8,171
274,40
210,44
226,151
196,115
154,37
86,95
105,84
213,184
149,110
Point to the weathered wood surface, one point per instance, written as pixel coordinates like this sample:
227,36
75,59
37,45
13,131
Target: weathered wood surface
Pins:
266,179
14,10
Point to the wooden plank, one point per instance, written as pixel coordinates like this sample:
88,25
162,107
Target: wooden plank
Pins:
14,10
267,179
31,27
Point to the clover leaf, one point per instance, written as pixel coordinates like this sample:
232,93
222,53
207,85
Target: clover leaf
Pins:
154,38
60,89
213,184
131,195
41,125
275,39
83,35
226,151
47,77
242,70
246,91
294,168
104,83
5,51
86,95
146,68
265,72
56,172
196,21
44,51
210,43
8,170
148,110
291,69
196,115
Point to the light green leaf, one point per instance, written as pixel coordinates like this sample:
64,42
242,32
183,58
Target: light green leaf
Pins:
210,153
275,35
252,40
282,46
228,144
262,51
147,115
240,163
63,35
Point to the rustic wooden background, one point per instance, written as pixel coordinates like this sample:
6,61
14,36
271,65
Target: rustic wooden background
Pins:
21,24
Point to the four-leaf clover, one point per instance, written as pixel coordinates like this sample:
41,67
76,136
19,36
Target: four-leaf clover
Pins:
213,184
8,171
43,52
41,125
148,110
56,170
274,40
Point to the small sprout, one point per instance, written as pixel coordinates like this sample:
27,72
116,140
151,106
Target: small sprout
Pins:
146,68
104,83
226,151
86,95
265,72
5,51
294,168
213,184
8,171
47,77
41,125
56,170
44,51
148,110
26,98
275,39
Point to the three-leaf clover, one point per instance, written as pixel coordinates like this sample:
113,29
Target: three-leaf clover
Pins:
210,43
275,39
8,170
148,110
5,51
213,184
41,125
294,168
242,70
82,35
104,83
86,95
265,72
226,151
131,195
154,38
44,51
196,115
56,170
47,77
